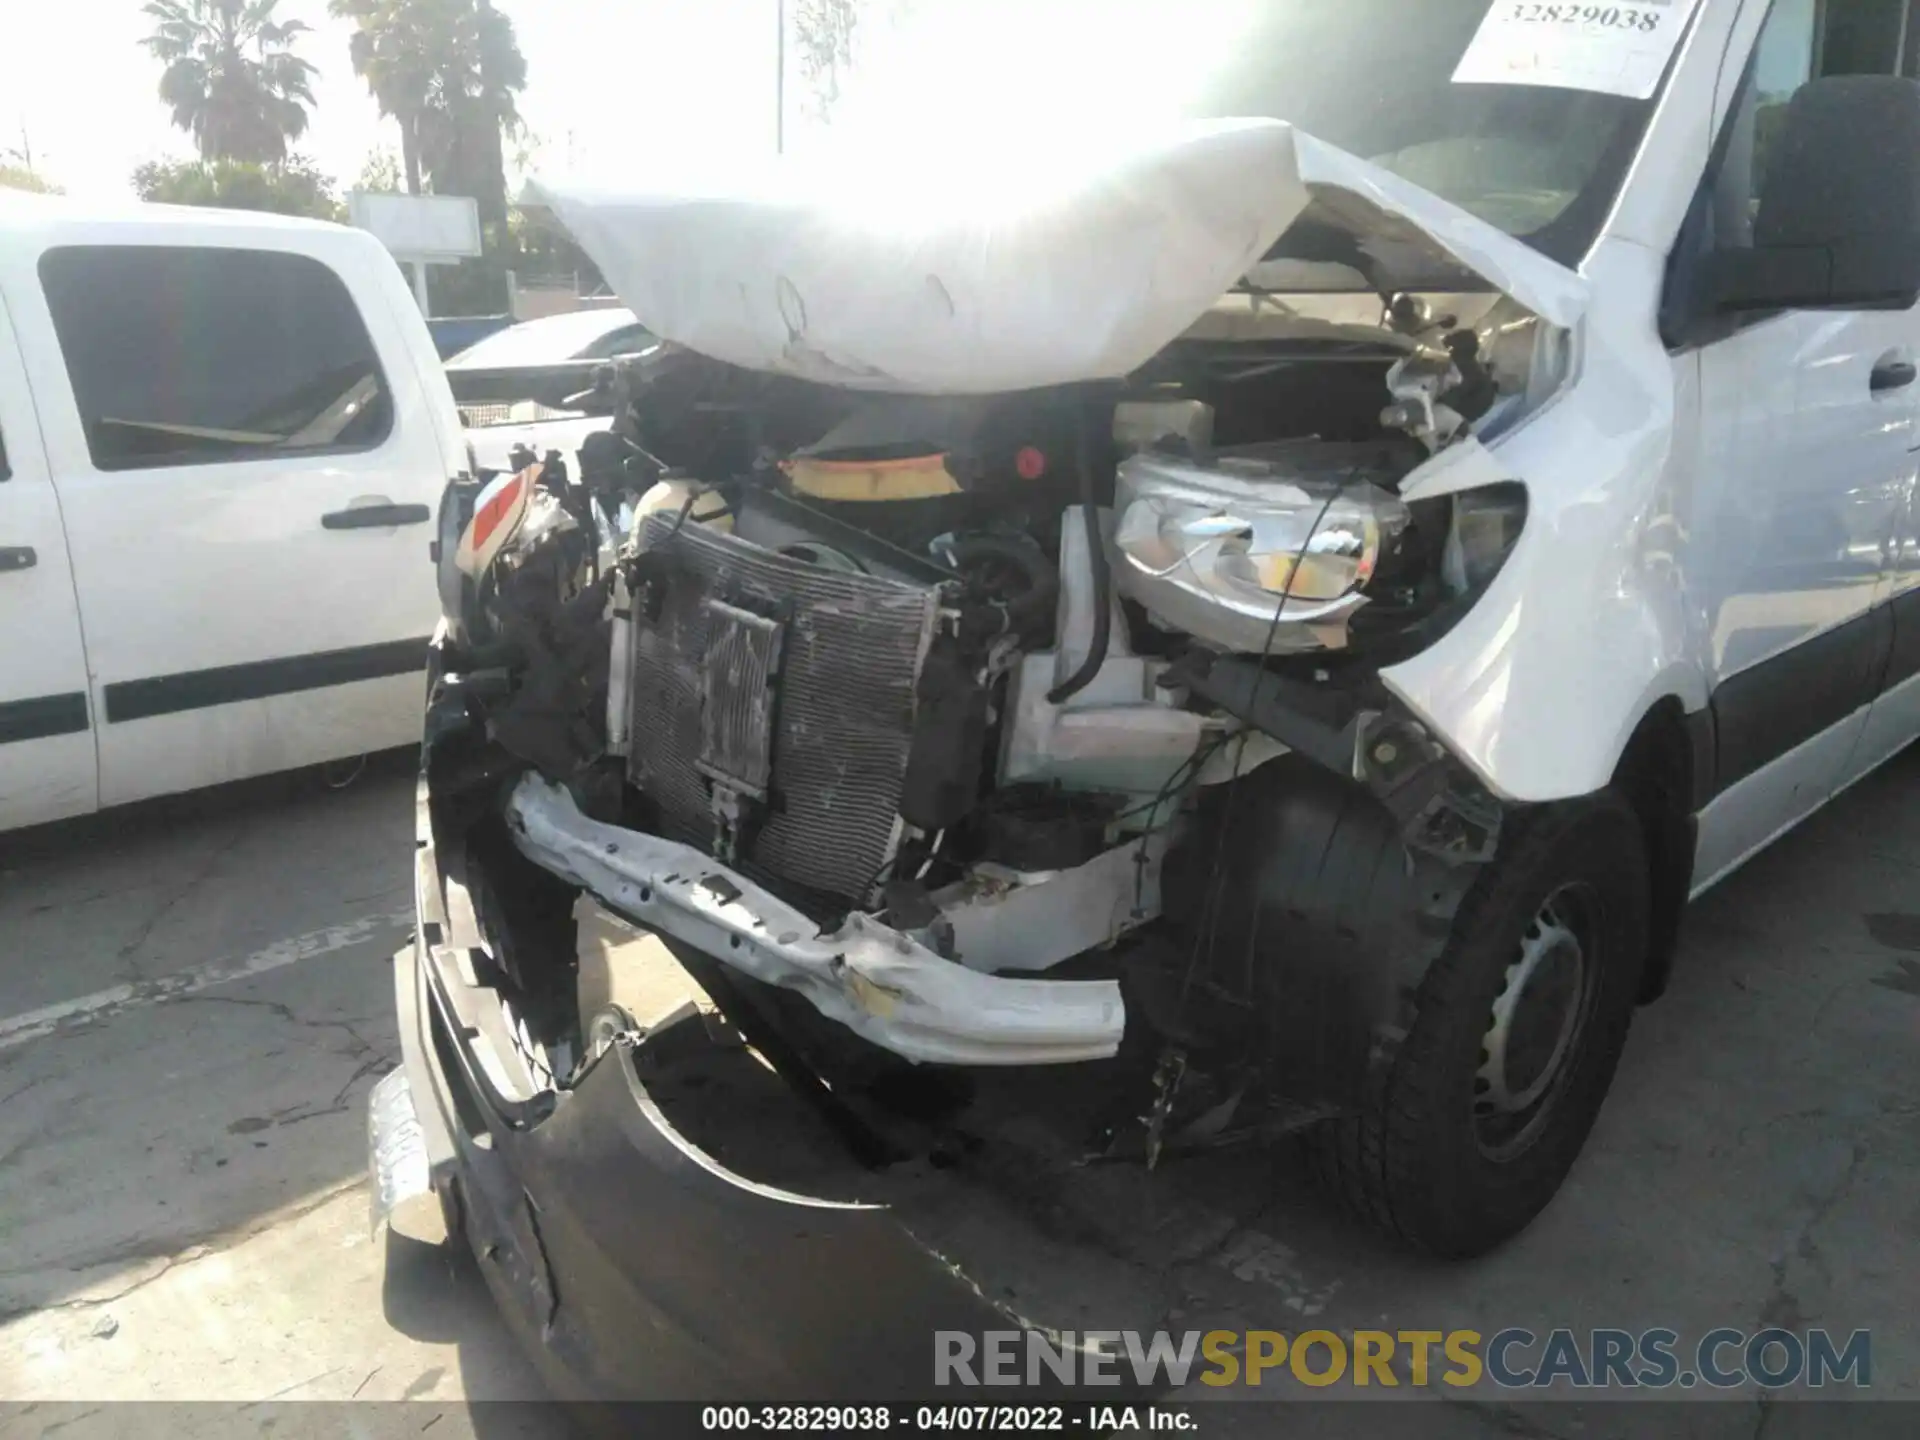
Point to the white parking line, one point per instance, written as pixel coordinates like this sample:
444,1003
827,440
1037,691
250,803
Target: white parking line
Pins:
103,1004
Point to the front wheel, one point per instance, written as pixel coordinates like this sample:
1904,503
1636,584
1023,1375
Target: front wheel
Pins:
1469,1128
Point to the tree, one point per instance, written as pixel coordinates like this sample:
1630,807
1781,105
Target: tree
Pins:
17,171
291,187
19,177
390,52
381,173
447,72
232,79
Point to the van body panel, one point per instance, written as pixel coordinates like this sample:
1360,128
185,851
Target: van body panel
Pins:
1723,525
47,765
1589,623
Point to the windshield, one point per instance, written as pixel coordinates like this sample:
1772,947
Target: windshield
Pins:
1374,77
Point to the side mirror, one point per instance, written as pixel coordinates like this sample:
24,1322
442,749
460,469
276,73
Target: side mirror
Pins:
1838,225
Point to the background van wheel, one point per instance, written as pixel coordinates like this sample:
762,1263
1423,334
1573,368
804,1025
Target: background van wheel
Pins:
1469,1130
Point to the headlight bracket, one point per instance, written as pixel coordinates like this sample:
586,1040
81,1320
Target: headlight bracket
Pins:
1363,735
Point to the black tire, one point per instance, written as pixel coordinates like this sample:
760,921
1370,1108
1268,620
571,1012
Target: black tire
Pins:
1424,1159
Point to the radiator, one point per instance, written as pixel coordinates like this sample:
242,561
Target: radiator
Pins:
789,687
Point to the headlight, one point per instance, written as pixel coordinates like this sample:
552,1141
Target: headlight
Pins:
1222,549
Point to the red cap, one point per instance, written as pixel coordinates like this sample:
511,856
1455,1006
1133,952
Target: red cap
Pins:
1031,462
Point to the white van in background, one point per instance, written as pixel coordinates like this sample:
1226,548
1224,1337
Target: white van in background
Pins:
224,438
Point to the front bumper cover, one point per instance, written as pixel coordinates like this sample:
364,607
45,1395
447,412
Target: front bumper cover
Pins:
878,982
631,1265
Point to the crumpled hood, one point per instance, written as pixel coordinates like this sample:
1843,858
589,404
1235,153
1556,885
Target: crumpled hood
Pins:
1009,272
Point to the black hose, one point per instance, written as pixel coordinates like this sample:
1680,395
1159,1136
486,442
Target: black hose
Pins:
1039,594
1102,578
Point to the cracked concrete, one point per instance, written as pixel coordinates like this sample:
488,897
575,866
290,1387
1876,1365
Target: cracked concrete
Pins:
183,1212
189,1168
129,955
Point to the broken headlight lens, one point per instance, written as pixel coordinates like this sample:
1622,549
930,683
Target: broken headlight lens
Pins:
1224,550
1486,526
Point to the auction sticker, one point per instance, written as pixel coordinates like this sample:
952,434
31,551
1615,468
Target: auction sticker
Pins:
1613,48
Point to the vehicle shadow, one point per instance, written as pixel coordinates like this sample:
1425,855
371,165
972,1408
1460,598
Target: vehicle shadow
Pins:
432,1292
216,804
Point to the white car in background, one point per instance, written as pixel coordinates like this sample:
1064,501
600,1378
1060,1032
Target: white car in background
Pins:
513,388
223,439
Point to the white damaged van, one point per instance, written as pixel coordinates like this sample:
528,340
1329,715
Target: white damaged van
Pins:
1277,607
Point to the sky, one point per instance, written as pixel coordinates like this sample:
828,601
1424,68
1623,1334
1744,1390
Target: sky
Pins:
619,85
606,78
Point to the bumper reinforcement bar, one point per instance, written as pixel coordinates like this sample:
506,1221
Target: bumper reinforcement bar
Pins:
878,982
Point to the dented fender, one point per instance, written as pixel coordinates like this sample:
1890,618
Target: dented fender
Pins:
1589,624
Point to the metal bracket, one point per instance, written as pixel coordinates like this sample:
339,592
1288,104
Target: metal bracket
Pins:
1440,807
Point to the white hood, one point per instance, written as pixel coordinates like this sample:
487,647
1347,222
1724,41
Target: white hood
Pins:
1000,273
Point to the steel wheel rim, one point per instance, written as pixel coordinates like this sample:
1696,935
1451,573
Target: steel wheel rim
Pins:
1535,1024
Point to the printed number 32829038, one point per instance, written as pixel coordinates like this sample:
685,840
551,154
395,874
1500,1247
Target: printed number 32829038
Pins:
1601,17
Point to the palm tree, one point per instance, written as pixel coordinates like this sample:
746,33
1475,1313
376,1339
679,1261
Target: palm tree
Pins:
232,79
447,71
390,50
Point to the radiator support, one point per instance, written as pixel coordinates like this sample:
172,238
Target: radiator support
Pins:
772,707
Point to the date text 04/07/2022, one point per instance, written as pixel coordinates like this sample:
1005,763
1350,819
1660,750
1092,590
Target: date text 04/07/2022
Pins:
1084,1418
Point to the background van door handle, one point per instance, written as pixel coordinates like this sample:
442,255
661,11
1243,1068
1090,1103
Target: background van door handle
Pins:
1893,375
17,557
376,517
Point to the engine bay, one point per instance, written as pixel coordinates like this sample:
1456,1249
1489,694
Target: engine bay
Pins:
915,716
